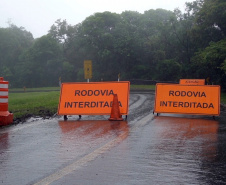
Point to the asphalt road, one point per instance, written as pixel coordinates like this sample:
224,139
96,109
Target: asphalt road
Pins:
144,149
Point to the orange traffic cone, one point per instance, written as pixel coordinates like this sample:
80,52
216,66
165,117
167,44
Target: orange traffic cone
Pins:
115,111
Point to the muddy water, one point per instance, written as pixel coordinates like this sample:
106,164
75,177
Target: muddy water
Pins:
144,149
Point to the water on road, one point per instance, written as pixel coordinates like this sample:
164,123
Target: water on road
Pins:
144,149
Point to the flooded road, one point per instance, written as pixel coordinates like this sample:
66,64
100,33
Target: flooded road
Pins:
144,149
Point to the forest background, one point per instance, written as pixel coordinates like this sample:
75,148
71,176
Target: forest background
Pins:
157,45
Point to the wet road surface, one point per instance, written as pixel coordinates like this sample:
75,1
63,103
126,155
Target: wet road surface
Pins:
144,149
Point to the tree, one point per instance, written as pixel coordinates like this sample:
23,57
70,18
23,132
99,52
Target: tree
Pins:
209,24
152,45
14,41
40,65
212,16
209,33
210,62
74,46
98,33
159,39
168,70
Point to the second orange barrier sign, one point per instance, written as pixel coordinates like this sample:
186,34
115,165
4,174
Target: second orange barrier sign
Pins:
187,99
192,81
94,98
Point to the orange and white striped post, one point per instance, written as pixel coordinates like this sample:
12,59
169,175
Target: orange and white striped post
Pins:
5,116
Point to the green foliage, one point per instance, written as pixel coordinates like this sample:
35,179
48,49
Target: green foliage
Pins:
41,63
67,72
223,98
210,62
14,41
139,72
168,70
157,44
212,16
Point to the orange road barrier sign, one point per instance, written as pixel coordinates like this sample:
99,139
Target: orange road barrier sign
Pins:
192,81
187,99
94,98
5,116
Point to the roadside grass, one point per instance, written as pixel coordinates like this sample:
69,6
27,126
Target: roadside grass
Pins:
34,89
142,87
44,102
28,104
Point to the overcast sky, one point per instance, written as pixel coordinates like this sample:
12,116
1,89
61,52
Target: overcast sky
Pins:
37,16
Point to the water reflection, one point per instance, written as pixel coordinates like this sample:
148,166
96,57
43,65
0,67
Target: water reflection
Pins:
3,142
97,127
193,146
84,136
4,145
199,134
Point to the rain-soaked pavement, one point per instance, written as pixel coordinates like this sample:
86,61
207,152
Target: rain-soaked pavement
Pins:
144,149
